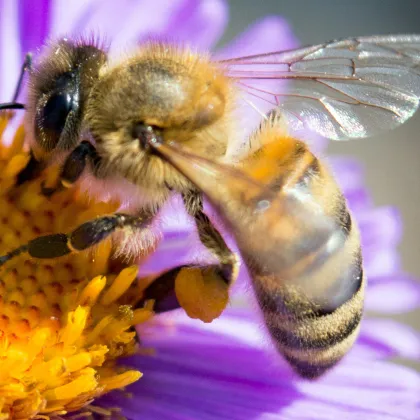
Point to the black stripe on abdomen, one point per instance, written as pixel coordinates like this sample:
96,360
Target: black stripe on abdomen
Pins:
341,291
310,172
294,341
309,370
343,288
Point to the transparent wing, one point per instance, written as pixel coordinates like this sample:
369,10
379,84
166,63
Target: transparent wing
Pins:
343,89
279,231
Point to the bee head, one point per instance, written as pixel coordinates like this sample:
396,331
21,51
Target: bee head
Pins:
58,90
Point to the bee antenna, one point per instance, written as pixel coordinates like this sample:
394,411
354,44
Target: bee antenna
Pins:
11,105
26,66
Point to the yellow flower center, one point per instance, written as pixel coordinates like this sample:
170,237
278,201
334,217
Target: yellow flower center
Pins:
63,324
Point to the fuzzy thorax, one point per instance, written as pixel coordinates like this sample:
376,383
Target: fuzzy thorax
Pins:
183,96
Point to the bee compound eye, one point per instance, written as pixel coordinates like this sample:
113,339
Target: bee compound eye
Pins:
51,118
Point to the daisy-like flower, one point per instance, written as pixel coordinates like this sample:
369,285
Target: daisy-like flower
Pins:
64,325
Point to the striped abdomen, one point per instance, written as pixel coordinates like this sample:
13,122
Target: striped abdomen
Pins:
297,238
313,301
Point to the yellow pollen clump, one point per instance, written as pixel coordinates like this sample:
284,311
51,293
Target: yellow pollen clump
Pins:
63,323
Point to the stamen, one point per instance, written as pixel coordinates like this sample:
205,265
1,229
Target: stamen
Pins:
120,285
61,334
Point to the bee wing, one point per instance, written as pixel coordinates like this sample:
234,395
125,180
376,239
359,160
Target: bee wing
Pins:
350,88
279,231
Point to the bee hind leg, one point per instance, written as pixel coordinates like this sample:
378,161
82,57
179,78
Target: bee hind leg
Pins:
162,292
211,238
200,290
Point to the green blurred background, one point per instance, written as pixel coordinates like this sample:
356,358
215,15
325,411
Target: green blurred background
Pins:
392,161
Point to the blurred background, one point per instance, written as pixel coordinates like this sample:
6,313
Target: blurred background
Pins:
392,161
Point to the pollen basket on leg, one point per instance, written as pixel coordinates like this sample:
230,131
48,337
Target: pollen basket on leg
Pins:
63,322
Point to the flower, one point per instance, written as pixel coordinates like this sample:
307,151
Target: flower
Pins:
63,324
223,370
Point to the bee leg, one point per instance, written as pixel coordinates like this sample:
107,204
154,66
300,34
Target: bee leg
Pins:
73,167
31,171
211,238
162,291
83,237
200,291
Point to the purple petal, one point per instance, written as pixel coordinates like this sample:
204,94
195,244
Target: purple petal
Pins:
66,17
199,23
122,23
393,295
176,249
148,20
10,60
348,172
380,227
269,34
381,262
34,24
206,374
305,409
367,348
377,387
400,339
359,200
180,244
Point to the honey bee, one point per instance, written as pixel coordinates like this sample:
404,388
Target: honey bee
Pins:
162,123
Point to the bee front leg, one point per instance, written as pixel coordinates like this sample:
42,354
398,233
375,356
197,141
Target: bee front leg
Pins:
83,237
74,167
31,171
